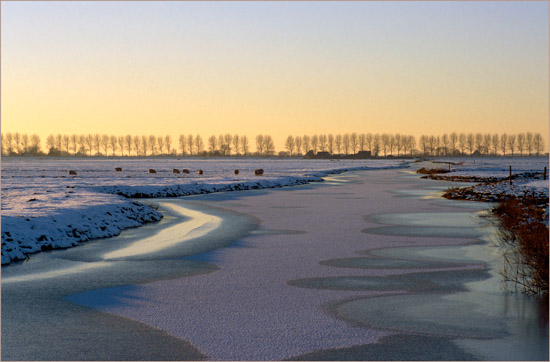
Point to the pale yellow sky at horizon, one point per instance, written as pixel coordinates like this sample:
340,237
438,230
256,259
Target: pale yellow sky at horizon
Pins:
279,69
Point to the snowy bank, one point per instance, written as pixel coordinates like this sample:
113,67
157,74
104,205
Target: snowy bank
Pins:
43,208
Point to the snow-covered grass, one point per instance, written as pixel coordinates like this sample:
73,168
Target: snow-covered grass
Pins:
43,207
492,166
527,173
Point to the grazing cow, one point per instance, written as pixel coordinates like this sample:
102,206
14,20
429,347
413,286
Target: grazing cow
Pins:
199,172
175,170
71,172
236,172
185,170
152,170
118,169
259,172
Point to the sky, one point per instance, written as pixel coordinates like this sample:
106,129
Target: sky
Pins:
275,68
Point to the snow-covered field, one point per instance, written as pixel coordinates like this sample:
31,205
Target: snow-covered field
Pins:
43,207
528,173
492,166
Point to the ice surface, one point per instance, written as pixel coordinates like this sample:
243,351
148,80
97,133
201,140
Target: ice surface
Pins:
44,208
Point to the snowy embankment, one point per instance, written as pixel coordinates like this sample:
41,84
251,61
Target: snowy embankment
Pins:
44,208
492,177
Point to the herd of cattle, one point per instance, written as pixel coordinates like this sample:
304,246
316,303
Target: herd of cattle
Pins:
257,172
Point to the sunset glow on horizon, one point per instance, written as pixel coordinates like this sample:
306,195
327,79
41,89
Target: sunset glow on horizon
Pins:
289,68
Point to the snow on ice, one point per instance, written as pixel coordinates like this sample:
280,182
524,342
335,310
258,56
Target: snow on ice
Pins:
44,208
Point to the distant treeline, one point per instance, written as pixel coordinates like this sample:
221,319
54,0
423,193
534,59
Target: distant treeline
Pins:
379,145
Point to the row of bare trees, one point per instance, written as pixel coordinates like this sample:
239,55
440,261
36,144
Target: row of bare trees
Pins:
453,144
105,145
351,143
487,144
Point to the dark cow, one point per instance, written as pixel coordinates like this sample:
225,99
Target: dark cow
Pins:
236,172
71,172
175,170
118,169
185,170
259,172
152,170
199,172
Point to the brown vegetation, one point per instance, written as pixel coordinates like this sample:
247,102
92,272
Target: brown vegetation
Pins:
431,171
525,237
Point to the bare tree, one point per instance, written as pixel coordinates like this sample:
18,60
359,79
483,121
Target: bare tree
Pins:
212,143
521,143
245,144
227,138
314,143
529,142
59,142
9,143
97,143
398,141
298,144
35,144
17,142
128,144
306,143
538,143
486,143
437,145
346,143
190,144
182,143
495,142
385,140
338,143
152,144
330,143
50,143
236,143
199,144
160,144
136,140
362,142
462,142
260,147
104,142
410,144
391,143
503,143
376,144
512,143
479,142
368,141
89,143
168,143
354,142
269,146
25,143
432,145
471,142
446,144
144,144
453,139
424,144
289,144
323,142
113,144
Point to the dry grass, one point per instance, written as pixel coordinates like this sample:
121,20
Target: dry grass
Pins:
525,238
431,171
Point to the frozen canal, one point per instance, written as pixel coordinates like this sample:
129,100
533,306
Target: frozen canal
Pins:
369,265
